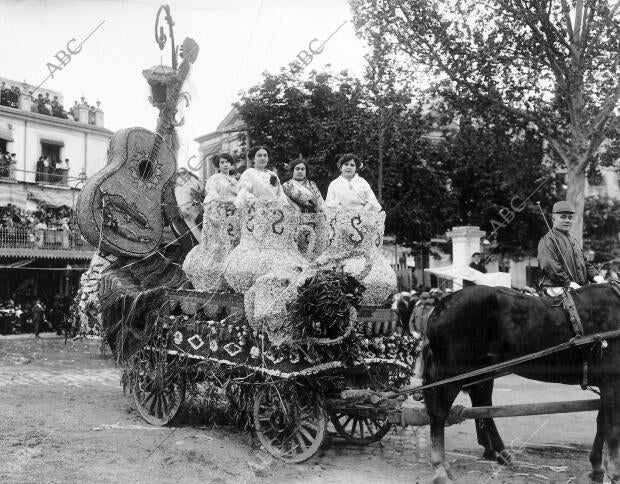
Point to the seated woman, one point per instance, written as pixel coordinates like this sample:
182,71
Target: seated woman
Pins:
355,235
303,192
204,264
350,190
268,224
257,182
222,185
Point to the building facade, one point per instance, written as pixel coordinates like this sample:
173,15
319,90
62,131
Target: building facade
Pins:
227,138
46,153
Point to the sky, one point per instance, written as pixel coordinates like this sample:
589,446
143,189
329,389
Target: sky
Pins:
238,39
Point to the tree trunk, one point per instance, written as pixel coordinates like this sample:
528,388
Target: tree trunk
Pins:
380,174
576,181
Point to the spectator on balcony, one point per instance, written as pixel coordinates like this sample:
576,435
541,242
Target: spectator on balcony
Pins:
91,115
46,169
65,233
39,229
39,170
74,111
47,103
4,165
12,163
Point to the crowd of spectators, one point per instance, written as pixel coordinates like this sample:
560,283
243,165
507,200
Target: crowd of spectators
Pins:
38,228
413,307
9,96
52,171
44,104
52,107
33,315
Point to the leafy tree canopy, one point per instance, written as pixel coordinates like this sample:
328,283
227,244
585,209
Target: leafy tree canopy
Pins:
554,63
326,115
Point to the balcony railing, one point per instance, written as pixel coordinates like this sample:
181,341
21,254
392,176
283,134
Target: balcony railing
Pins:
7,170
46,239
53,176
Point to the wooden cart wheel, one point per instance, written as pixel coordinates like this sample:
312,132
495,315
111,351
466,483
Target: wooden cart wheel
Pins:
359,430
290,427
158,394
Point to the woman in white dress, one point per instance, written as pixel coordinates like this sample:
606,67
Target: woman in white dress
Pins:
350,190
204,264
222,185
257,182
304,193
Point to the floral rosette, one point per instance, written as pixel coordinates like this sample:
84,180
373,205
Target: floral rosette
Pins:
311,235
205,263
268,230
353,242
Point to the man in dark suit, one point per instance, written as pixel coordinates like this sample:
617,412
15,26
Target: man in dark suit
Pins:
477,264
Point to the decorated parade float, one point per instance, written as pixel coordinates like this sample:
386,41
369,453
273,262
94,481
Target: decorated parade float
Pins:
278,311
284,314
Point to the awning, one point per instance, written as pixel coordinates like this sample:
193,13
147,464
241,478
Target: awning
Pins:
467,273
6,134
52,197
12,193
52,142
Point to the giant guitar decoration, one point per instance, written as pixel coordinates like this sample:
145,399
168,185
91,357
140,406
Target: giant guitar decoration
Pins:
119,210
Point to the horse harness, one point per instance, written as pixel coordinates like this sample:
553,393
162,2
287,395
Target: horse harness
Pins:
597,345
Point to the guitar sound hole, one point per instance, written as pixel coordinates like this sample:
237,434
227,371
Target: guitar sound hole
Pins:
145,169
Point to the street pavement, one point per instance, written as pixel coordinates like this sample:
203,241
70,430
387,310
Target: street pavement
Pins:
73,383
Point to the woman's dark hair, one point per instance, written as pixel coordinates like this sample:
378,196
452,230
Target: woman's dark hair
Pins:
254,150
216,159
348,157
297,161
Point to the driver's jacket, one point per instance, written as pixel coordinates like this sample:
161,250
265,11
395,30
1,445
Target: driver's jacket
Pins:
554,267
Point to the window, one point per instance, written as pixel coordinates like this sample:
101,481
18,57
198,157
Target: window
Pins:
2,145
51,150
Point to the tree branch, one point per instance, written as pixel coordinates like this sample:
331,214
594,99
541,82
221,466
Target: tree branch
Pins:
569,25
613,10
578,17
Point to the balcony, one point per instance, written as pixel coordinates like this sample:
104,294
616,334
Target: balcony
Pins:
47,243
53,176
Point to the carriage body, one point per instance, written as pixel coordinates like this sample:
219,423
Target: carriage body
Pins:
288,394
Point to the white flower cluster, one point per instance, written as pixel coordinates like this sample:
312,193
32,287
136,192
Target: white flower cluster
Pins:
89,306
205,263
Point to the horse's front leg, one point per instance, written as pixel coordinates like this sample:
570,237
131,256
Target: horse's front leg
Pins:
438,452
610,405
596,454
438,402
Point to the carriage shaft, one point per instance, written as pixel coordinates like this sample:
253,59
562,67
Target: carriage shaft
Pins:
417,415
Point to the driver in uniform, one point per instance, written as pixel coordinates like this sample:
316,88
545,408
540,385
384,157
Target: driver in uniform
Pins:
560,257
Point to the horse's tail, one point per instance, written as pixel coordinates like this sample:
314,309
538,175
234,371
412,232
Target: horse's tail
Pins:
429,370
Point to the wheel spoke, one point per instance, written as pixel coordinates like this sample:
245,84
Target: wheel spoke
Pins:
300,439
349,418
153,404
306,434
165,407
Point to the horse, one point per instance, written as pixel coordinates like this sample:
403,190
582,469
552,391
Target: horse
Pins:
481,325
